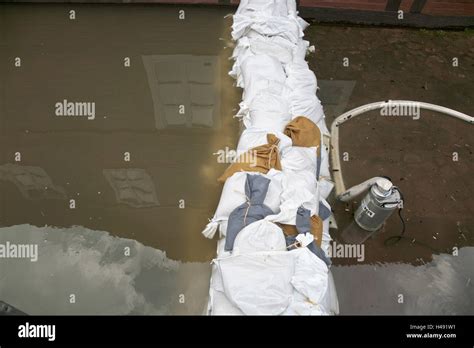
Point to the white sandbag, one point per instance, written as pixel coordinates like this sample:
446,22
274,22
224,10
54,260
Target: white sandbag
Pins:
258,284
258,73
312,293
216,279
222,229
257,279
271,283
289,28
324,171
256,87
326,205
330,301
301,78
300,51
323,127
274,46
301,23
301,306
299,189
300,186
233,195
298,158
291,6
261,235
263,66
326,237
308,105
300,180
254,8
289,207
299,170
325,187
311,275
220,304
241,52
253,137
267,111
255,44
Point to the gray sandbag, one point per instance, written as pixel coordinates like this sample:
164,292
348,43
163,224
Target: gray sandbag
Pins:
303,225
324,212
256,187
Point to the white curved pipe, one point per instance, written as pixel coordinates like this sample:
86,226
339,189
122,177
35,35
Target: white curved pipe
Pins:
336,164
356,190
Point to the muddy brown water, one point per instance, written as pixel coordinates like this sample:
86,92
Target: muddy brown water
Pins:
83,60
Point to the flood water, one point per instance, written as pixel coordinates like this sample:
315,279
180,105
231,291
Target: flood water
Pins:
138,126
142,171
83,60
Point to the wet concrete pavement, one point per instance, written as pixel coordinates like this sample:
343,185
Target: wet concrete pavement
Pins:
418,155
430,159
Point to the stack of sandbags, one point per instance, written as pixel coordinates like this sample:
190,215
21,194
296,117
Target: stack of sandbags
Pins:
274,260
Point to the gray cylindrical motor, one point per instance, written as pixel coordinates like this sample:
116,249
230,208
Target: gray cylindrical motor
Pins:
376,207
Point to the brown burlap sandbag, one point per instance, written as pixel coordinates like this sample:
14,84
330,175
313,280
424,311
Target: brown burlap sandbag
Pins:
258,159
304,132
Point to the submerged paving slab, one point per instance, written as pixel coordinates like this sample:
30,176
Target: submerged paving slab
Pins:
185,90
33,182
132,186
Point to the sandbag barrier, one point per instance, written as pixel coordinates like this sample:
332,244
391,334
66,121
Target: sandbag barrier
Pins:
273,217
